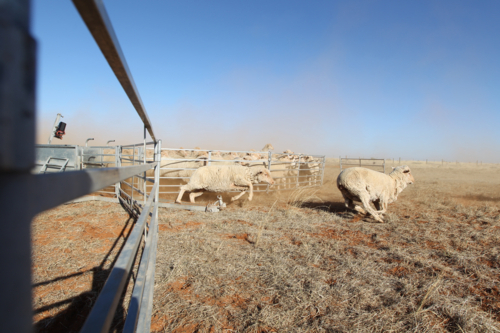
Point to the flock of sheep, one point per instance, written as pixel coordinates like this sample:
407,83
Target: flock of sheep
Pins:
285,168
234,173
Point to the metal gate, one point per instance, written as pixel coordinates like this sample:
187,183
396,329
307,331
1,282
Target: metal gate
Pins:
290,171
24,194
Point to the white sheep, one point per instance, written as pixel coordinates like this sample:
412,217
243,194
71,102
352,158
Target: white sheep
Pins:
224,178
365,185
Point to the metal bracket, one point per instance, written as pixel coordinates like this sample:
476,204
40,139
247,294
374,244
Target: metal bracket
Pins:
60,168
216,206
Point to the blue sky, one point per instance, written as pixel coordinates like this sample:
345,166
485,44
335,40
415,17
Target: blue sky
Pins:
409,79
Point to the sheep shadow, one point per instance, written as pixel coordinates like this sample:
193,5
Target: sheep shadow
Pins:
73,317
339,209
326,206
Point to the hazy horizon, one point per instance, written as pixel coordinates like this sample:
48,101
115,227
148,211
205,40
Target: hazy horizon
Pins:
416,80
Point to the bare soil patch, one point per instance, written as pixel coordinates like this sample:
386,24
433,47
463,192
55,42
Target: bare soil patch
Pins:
298,262
74,247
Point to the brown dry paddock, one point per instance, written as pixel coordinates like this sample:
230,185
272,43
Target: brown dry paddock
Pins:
294,262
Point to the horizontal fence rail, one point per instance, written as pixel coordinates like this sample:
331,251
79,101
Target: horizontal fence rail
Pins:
96,18
374,163
290,171
99,319
25,193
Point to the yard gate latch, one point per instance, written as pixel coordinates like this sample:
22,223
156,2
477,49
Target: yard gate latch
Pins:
60,131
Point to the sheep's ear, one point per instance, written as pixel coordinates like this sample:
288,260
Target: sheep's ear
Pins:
393,168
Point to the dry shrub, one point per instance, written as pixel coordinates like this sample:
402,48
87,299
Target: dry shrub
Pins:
298,197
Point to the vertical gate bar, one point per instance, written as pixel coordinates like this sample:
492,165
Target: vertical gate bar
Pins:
323,171
78,158
269,158
340,161
209,157
360,161
157,173
17,114
298,173
118,164
144,159
132,182
384,165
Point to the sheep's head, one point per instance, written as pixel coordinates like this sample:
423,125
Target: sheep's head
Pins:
264,176
405,173
268,147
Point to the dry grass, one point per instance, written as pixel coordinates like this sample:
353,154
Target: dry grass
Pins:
302,263
74,247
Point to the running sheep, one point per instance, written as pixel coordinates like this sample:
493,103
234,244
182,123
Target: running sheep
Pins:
224,178
365,185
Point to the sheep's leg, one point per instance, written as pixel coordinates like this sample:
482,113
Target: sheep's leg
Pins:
365,199
238,196
181,193
381,206
250,190
250,194
194,195
349,203
359,209
384,208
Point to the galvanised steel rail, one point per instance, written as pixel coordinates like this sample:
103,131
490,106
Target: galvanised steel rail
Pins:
291,171
23,194
96,18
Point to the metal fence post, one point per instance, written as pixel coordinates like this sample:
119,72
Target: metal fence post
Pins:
209,157
17,152
269,159
323,171
157,172
132,182
384,165
340,162
117,164
144,175
298,172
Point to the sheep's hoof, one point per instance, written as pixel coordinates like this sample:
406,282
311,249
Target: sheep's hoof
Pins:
177,201
249,199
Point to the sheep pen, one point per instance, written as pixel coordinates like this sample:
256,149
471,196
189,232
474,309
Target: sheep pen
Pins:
293,261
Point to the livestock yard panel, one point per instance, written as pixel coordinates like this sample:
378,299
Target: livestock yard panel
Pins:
290,171
25,192
56,158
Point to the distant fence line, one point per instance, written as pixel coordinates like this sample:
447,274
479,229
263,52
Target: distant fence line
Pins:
375,163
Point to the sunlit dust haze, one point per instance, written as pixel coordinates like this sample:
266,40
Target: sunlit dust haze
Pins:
416,80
